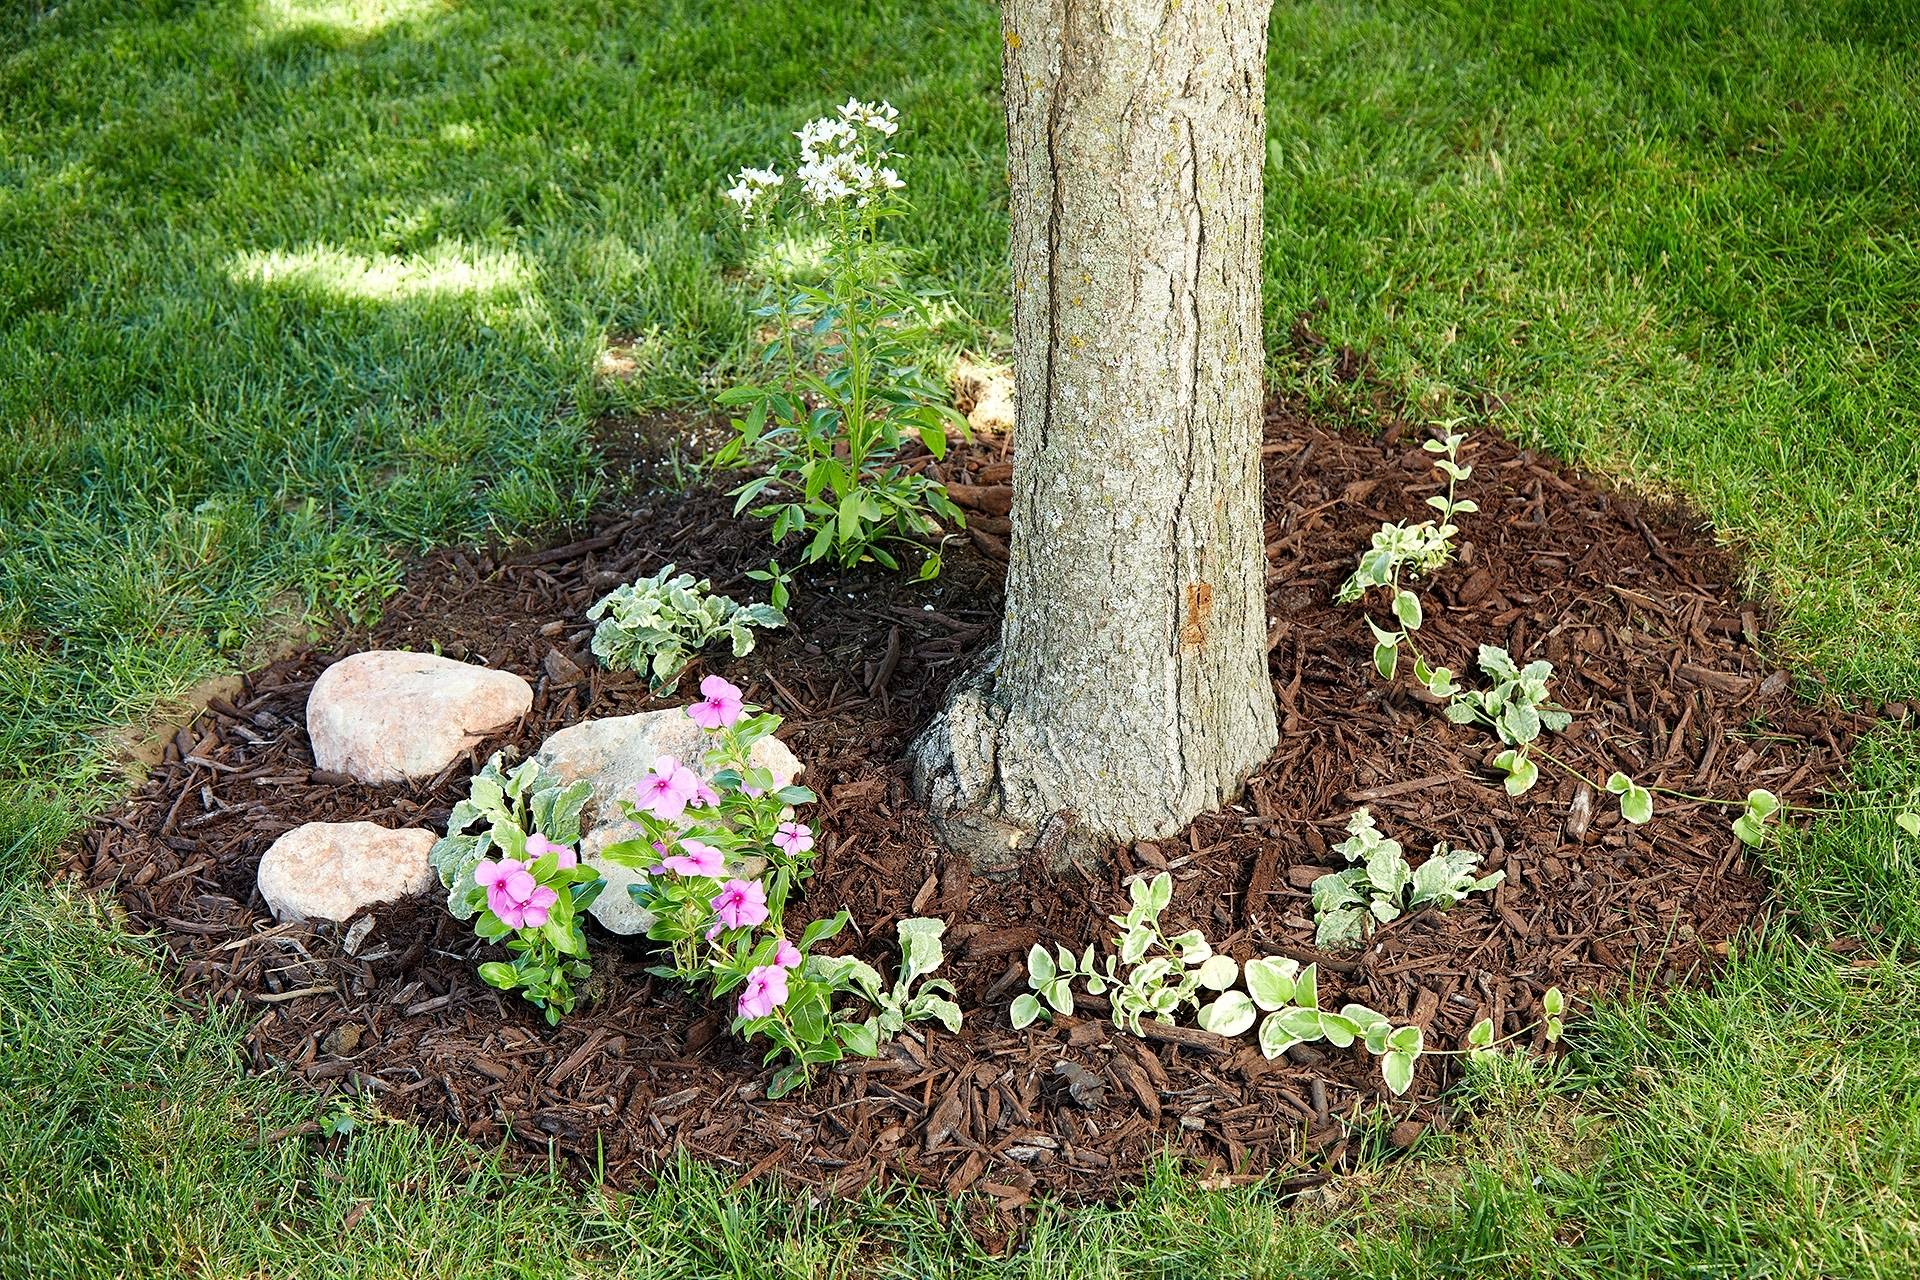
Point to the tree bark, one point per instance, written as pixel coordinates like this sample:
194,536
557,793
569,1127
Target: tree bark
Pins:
1129,692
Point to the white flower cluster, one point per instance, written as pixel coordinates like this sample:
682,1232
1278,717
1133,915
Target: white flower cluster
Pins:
751,186
842,157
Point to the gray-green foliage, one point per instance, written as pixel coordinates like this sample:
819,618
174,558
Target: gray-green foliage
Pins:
1516,707
512,806
1150,975
1286,999
658,624
1384,885
921,954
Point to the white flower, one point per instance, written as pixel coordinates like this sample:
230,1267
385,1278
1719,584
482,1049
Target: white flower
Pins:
751,186
825,136
880,117
838,163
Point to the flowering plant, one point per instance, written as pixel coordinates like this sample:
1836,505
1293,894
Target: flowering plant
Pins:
522,877
827,425
658,624
704,844
722,858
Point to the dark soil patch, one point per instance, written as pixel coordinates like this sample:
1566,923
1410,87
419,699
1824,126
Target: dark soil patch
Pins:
1636,607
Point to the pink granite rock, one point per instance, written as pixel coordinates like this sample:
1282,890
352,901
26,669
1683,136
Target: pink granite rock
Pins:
388,716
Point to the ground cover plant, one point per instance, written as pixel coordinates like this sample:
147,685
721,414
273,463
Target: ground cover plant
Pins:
291,289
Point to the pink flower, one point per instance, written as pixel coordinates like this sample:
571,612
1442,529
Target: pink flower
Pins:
534,910
786,955
766,991
665,791
713,934
794,838
741,903
704,796
697,860
719,705
513,894
538,846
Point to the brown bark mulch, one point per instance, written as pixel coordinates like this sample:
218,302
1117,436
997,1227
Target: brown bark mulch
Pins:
1656,650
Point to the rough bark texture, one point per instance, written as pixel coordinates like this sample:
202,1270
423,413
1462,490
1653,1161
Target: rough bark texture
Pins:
1129,693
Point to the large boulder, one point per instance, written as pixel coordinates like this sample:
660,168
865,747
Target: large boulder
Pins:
389,716
336,870
614,754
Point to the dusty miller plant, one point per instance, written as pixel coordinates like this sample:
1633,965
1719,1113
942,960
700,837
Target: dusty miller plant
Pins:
658,624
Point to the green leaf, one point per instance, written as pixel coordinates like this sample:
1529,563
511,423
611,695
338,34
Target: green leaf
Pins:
933,434
1520,723
1385,658
861,1038
1040,968
1302,1024
498,974
1339,1031
1750,830
1306,988
1025,1009
1275,1039
1406,607
1636,805
1762,803
1908,822
1480,1038
1553,1003
1521,772
1270,981
1216,973
1160,893
1397,1070
1230,1015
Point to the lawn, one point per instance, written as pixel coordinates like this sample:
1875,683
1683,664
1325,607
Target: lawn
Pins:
292,288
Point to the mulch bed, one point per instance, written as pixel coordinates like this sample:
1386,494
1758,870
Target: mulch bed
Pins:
1656,652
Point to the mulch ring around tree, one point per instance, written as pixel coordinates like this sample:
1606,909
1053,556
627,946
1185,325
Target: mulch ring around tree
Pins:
1655,650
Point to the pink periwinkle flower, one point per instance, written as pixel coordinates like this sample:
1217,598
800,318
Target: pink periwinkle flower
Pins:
766,991
741,904
794,838
664,792
538,846
704,796
719,706
786,955
513,894
696,859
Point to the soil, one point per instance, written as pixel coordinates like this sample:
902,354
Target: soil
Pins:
1657,653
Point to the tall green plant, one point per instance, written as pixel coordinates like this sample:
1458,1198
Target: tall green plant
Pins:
841,393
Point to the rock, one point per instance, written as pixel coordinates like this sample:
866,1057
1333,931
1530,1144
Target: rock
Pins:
615,753
985,394
335,870
389,716
341,1041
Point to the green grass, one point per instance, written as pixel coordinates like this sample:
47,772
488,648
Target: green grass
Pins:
290,288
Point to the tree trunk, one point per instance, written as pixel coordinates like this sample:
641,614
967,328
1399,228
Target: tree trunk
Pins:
1130,691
